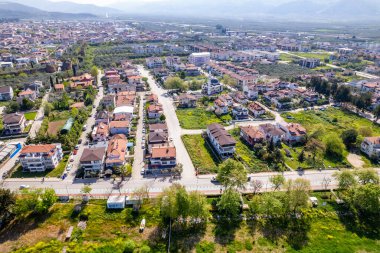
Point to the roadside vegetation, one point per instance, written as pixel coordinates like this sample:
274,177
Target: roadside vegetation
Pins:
345,220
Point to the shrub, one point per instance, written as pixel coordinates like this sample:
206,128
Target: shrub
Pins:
129,246
205,247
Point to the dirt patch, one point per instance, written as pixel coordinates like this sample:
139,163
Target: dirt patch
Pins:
28,234
55,126
355,160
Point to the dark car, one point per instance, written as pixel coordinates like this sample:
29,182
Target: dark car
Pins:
80,141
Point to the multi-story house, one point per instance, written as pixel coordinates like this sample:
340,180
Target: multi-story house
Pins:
120,127
92,161
199,59
212,87
116,150
100,132
223,143
239,112
371,146
163,157
256,110
221,107
186,100
155,111
39,158
272,132
26,94
14,123
294,132
252,135
6,93
154,63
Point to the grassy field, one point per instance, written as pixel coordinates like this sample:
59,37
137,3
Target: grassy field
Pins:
55,126
318,55
200,154
30,115
196,118
247,156
330,121
57,172
327,232
287,57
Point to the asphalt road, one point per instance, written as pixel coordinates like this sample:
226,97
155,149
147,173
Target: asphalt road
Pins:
174,128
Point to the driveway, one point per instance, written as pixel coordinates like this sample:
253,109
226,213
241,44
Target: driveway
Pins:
174,128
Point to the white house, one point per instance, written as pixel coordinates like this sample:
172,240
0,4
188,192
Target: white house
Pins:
92,161
371,146
39,158
213,86
199,59
221,140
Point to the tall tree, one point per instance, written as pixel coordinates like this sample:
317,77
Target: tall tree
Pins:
277,181
368,176
346,179
232,174
229,204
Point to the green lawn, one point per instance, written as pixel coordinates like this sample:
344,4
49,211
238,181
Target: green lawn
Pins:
27,128
200,154
287,57
57,172
196,118
30,115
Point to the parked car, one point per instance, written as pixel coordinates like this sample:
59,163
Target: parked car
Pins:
72,159
24,186
68,168
142,171
76,147
80,141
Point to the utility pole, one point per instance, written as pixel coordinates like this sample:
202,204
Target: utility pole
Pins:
170,233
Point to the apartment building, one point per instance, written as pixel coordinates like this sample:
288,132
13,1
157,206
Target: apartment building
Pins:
39,158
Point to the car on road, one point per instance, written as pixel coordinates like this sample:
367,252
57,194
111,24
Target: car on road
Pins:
93,106
76,147
5,175
142,171
24,186
72,159
143,146
143,131
214,180
64,176
80,141
84,127
69,167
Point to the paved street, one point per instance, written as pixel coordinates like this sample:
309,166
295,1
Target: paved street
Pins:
138,161
174,128
105,187
90,122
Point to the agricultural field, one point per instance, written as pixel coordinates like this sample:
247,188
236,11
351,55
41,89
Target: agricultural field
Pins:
197,118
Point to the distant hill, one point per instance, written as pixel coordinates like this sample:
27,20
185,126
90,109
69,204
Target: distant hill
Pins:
69,7
16,10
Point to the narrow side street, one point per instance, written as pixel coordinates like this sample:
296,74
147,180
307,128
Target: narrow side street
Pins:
174,128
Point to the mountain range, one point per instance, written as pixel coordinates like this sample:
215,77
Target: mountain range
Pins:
296,10
70,7
16,10
293,10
